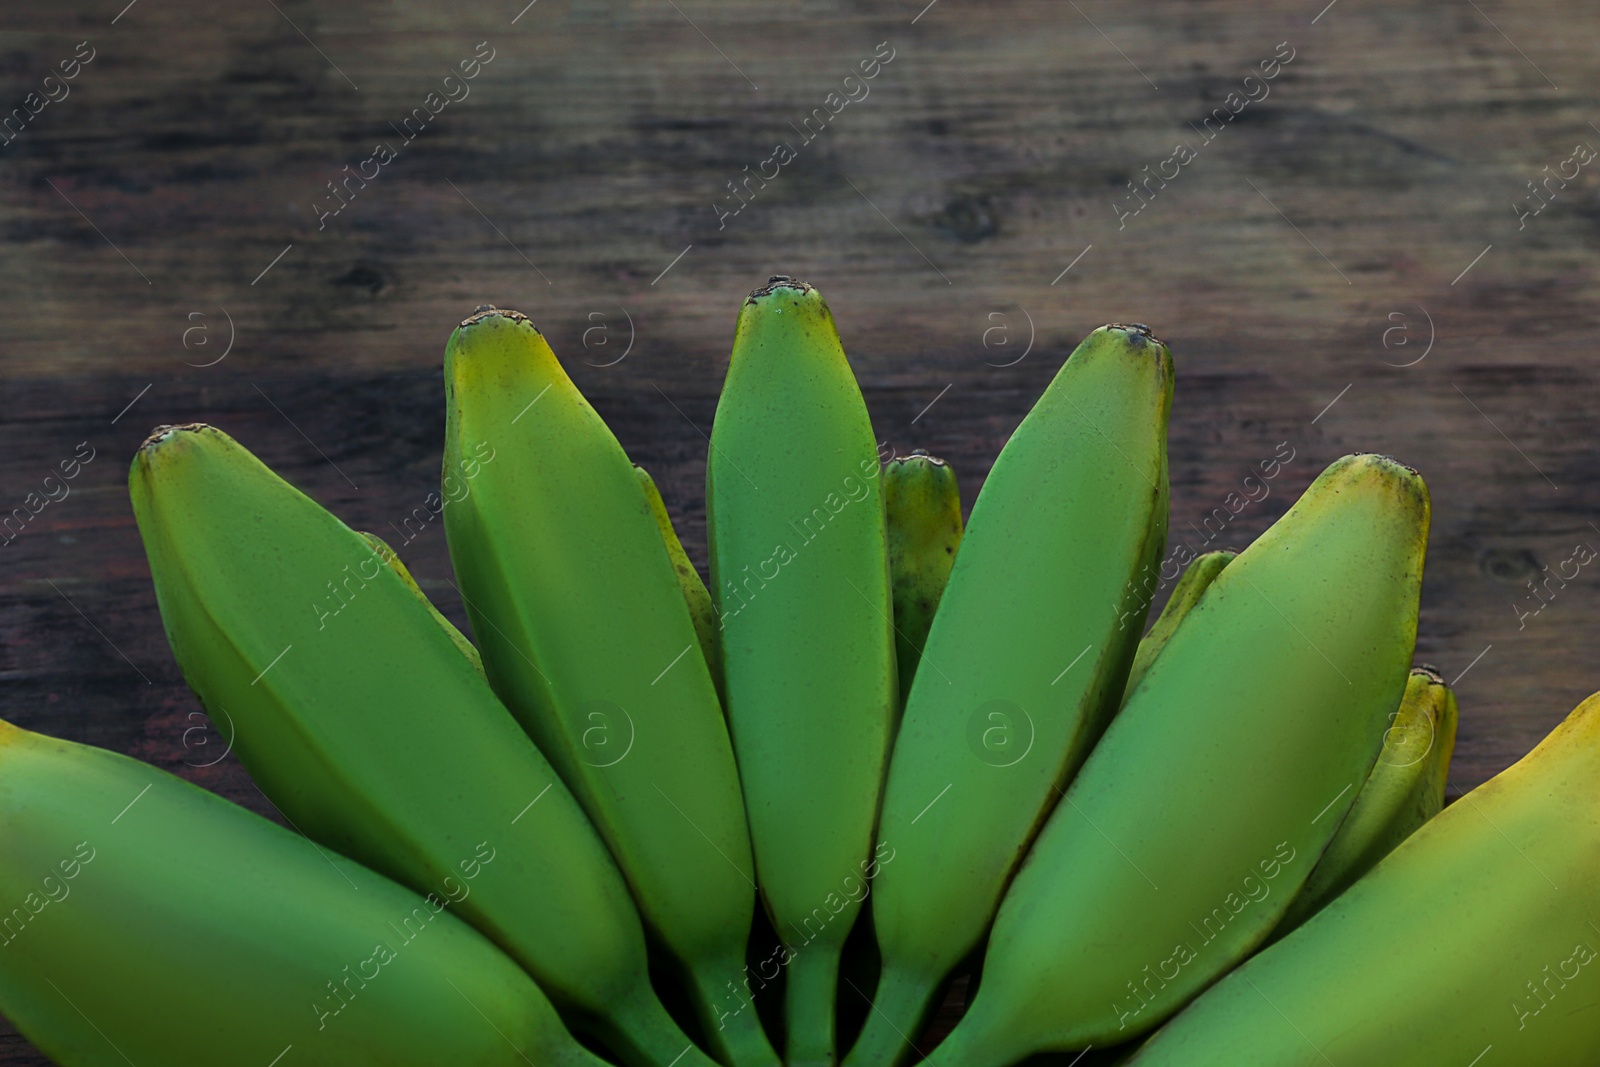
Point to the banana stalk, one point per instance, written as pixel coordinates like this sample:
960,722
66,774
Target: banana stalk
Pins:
800,575
586,636
923,507
1197,578
364,724
1264,710
1023,665
1404,791
1474,941
152,922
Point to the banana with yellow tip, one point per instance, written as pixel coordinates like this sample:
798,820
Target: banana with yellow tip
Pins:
1264,710
587,637
1473,942
361,720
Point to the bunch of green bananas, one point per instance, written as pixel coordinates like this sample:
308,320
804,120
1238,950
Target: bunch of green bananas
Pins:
606,828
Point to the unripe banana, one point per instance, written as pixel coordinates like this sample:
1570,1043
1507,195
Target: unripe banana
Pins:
1023,665
1404,790
366,726
695,594
151,922
800,574
389,556
923,507
1474,942
1197,578
1262,712
1447,721
587,638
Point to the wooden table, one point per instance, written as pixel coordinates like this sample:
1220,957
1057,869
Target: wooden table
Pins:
1339,267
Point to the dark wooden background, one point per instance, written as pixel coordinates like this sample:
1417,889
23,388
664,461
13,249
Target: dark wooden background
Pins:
139,215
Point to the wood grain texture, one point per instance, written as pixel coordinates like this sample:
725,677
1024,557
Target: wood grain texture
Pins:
938,214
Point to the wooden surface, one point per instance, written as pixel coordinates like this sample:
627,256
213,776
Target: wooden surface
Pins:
938,215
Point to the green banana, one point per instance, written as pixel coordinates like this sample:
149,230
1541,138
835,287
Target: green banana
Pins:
1404,790
1023,664
389,556
1263,710
364,724
923,507
695,593
587,638
1197,578
1447,720
800,575
1476,934
152,922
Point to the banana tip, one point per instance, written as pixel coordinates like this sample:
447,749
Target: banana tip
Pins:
161,434
1138,333
919,455
776,282
1406,483
1381,458
1430,672
489,311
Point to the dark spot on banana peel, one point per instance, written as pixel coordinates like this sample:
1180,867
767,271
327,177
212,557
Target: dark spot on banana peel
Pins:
485,311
